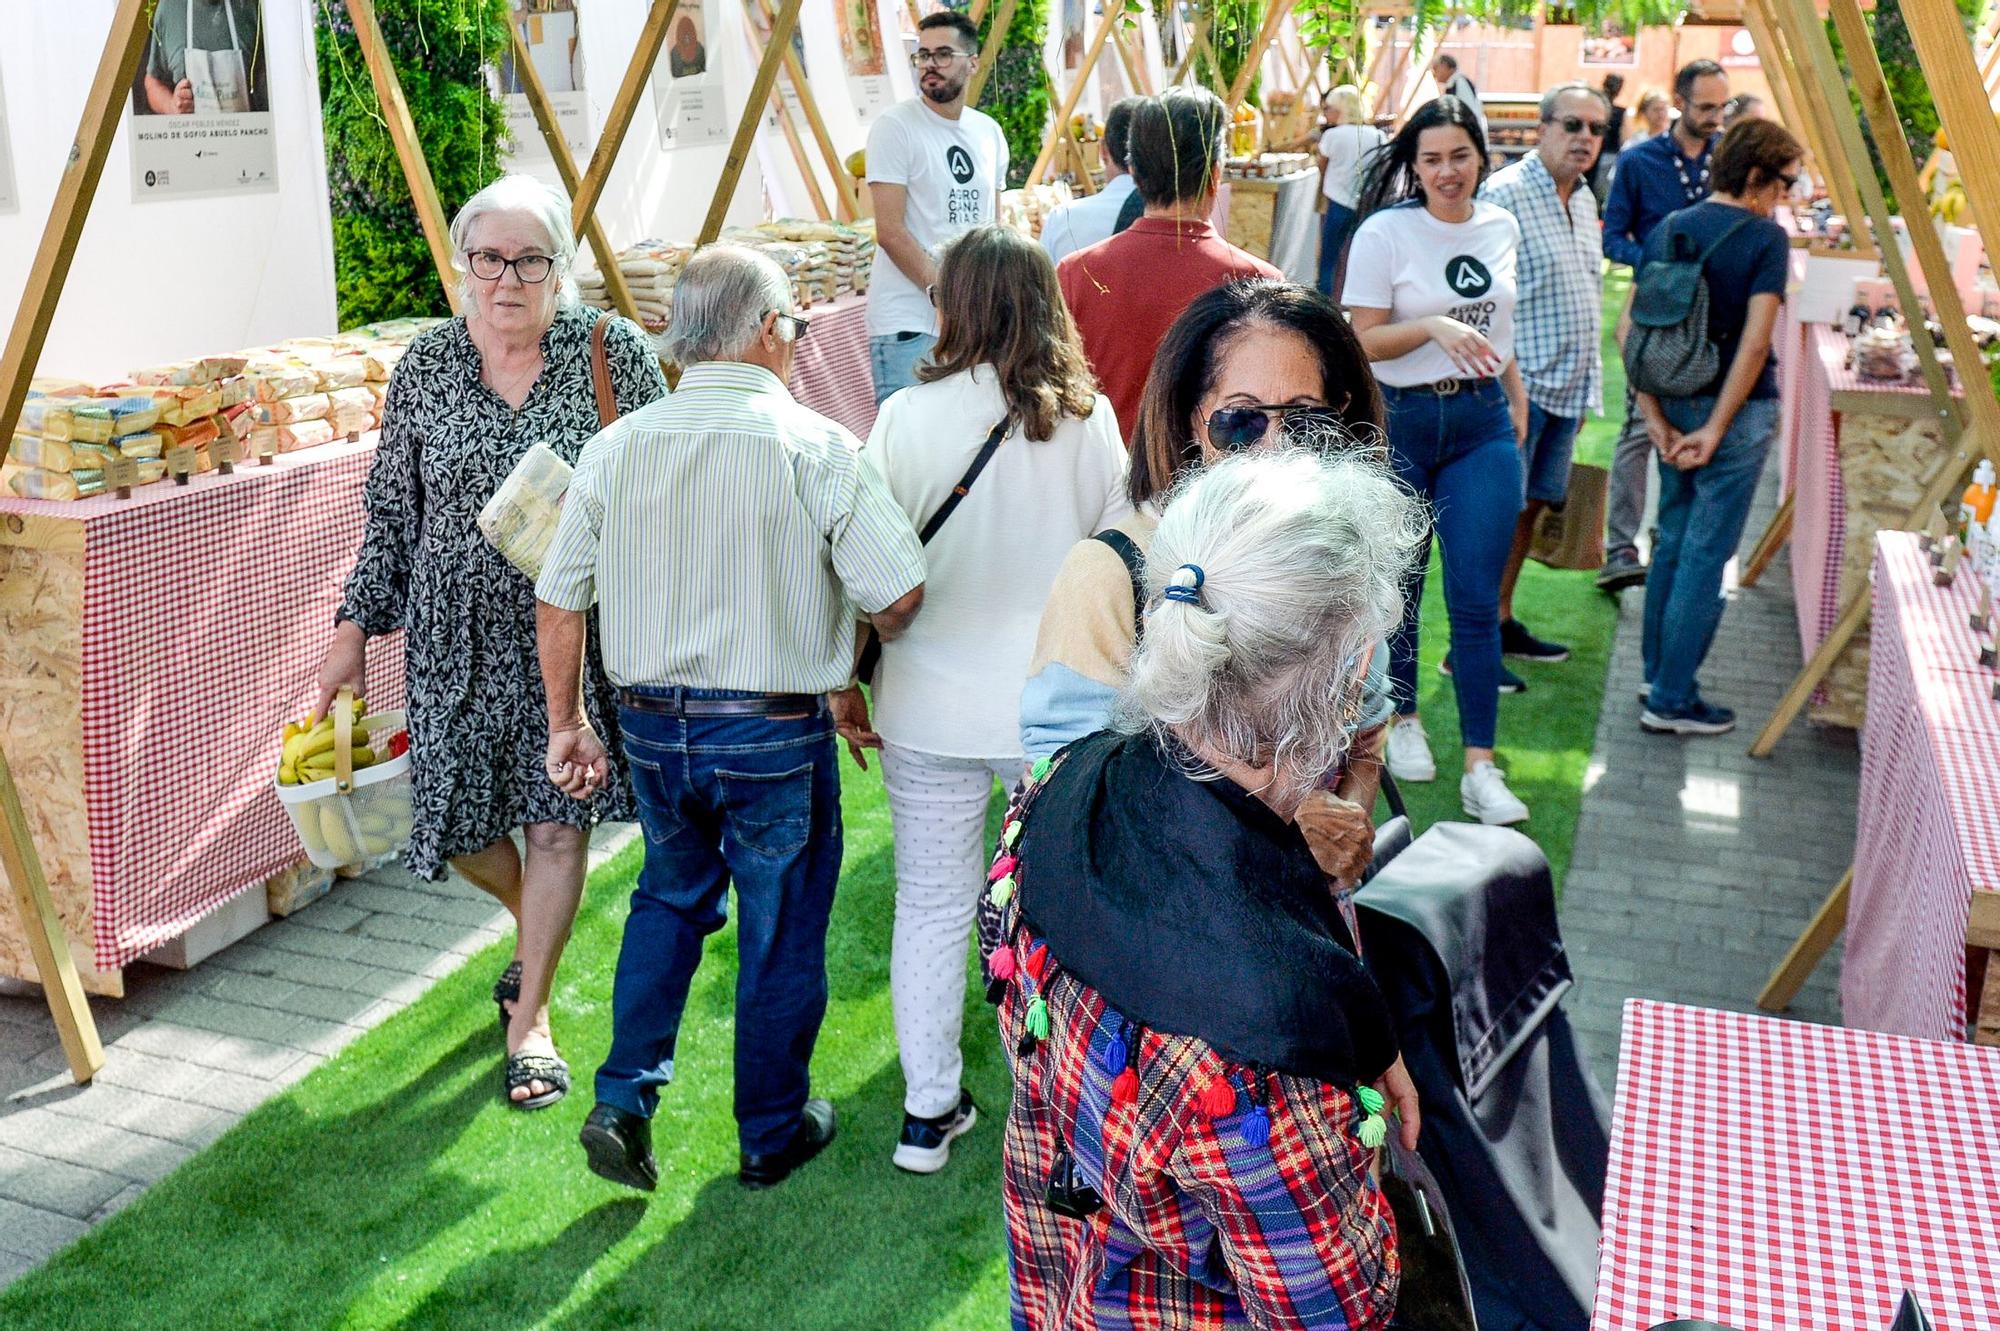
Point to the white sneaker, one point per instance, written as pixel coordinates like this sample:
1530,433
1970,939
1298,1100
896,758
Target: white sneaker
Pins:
925,1146
1484,793
1410,752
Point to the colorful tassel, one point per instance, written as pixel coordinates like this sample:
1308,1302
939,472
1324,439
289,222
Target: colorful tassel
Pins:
1038,961
1116,1055
1001,868
1125,1088
1374,1131
1217,1099
1256,1127
1038,1018
1001,892
1370,1098
1010,834
1039,770
1000,962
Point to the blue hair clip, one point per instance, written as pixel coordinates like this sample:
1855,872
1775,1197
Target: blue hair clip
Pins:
1187,593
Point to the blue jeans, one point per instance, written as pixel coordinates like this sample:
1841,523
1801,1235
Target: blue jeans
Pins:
1546,456
1336,224
893,360
749,799
1459,453
1702,513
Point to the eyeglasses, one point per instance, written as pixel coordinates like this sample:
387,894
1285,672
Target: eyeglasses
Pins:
1577,124
532,269
936,59
1231,428
800,327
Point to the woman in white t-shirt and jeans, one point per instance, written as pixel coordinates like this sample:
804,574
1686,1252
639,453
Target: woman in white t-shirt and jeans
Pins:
1430,289
1344,150
948,691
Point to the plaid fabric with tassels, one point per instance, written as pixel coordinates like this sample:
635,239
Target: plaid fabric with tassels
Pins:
1228,1195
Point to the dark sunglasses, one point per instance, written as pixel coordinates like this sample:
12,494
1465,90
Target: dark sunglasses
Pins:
1577,124
1231,428
800,327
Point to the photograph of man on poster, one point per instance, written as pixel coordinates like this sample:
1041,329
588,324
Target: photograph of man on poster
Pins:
204,58
687,55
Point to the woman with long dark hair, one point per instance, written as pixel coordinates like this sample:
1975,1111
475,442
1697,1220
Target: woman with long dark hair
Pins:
1008,369
1249,366
1430,288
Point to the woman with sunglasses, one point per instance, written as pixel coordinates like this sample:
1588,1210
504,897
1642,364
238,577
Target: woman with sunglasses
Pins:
1712,445
1247,367
1008,383
467,401
1431,290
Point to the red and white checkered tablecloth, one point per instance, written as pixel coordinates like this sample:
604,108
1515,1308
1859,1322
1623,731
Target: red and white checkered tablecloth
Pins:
1928,822
1775,1175
831,372
1819,511
207,612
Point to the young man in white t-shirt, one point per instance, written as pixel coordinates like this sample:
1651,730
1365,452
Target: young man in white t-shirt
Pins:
935,169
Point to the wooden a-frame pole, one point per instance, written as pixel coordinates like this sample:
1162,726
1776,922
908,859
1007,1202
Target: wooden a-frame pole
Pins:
547,121
847,192
1822,136
746,128
1060,126
638,74
103,107
989,54
782,114
409,149
1982,411
1253,58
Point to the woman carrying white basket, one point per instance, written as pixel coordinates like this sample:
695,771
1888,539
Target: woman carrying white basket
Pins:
468,400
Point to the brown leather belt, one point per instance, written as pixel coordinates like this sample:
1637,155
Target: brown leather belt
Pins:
767,704
1449,387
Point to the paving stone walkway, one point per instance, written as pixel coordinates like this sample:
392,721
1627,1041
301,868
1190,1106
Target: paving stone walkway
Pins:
1696,865
188,1053
1694,868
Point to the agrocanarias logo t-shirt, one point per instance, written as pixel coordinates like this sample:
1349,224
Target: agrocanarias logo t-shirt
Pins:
951,172
1408,262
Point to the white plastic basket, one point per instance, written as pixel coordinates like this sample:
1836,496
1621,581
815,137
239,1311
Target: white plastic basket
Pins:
354,816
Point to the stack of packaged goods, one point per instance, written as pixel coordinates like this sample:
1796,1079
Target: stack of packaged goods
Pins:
1025,209
808,263
650,269
852,248
296,394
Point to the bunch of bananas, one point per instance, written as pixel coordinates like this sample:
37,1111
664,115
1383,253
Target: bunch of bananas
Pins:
308,754
379,826
1951,206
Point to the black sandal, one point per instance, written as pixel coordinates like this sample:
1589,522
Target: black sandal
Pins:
507,989
525,1069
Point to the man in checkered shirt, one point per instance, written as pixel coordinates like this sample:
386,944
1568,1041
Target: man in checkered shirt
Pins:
1558,317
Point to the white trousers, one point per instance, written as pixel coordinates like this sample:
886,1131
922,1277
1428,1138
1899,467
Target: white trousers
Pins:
938,806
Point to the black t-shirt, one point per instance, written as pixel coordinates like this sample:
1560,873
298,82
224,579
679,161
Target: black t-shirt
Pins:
1755,261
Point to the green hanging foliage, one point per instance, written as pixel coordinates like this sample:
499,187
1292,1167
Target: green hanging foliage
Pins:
382,267
1233,29
1017,93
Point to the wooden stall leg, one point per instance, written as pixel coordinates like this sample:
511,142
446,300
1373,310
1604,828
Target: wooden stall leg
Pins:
1986,1030
1773,540
1799,963
44,931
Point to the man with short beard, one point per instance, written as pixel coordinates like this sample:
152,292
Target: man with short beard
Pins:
935,169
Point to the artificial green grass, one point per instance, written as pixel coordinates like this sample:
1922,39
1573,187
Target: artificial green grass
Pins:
392,1188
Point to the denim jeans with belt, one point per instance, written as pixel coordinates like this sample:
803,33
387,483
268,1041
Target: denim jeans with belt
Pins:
1459,452
1702,515
893,359
749,799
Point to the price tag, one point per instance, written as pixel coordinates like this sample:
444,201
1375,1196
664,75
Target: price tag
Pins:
224,452
180,463
121,474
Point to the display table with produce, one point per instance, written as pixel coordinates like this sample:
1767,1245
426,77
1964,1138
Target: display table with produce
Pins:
152,650
1276,216
1927,840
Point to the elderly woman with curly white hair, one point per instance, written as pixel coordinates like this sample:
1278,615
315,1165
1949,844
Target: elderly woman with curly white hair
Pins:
526,364
1202,1065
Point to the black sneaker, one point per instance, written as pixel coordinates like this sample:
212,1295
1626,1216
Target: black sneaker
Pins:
1620,571
1517,642
1697,718
1509,681
925,1146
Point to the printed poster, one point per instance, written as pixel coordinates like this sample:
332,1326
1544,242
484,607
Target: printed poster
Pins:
687,83
866,58
9,201
201,104
548,29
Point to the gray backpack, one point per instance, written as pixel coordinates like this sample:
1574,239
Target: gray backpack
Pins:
1668,352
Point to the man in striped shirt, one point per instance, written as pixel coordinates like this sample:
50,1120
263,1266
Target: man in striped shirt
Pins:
726,535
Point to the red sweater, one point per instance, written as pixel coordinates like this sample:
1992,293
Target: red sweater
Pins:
1127,291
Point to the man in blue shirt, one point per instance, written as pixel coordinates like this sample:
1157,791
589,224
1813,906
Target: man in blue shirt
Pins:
1660,176
1081,224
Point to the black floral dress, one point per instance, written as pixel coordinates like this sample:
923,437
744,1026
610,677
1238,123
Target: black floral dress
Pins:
477,713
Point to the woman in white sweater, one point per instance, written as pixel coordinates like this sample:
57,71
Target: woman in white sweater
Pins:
1008,370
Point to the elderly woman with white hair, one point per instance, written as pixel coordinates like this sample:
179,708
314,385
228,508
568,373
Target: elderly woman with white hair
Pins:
1203,1068
1345,145
526,364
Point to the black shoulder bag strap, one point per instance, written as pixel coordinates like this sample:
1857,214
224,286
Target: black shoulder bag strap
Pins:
1127,551
871,651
